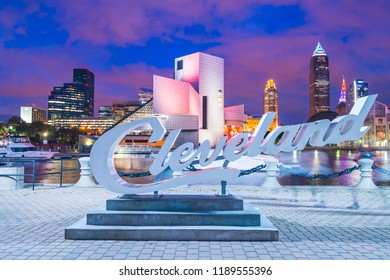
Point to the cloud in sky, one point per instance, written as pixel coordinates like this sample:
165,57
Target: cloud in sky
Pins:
125,42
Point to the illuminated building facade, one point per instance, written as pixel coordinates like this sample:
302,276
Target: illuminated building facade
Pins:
341,108
66,102
120,109
32,114
89,124
85,80
379,121
192,102
319,89
105,112
144,111
358,88
271,102
187,123
235,120
251,123
73,100
177,104
174,97
205,73
144,95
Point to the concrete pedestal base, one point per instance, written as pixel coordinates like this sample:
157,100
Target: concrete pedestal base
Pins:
175,217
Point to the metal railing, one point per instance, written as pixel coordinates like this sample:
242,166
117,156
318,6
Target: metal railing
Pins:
14,162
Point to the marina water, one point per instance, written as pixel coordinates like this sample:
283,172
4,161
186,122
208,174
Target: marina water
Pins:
308,161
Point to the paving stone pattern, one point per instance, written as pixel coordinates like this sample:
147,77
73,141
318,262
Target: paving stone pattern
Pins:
315,223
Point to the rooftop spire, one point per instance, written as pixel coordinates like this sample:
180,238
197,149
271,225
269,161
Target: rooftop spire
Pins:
343,85
343,92
270,84
319,50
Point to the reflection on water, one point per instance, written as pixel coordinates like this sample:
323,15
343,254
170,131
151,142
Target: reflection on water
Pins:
311,161
134,163
330,161
319,162
47,172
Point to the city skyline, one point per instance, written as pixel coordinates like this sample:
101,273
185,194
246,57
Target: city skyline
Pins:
41,42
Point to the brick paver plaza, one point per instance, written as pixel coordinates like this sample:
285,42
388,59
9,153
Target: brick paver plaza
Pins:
314,223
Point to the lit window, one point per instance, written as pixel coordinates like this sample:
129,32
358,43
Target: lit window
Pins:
220,99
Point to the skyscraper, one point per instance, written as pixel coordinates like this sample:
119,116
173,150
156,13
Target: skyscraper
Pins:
358,88
271,101
319,81
85,79
341,108
73,100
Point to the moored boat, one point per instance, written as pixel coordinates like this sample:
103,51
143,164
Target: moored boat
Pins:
21,147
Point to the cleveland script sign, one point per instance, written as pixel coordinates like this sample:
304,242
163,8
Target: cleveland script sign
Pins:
292,137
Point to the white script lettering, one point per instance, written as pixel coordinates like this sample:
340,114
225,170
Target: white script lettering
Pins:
292,137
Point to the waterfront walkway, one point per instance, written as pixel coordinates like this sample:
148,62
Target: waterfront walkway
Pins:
314,223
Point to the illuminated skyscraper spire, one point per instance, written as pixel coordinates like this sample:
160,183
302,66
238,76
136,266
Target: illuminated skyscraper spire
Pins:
343,92
319,50
341,108
271,102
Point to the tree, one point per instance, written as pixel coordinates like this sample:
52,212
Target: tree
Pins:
68,136
15,121
3,130
17,126
39,131
36,131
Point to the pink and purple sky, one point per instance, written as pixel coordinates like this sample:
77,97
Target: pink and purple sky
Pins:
125,42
